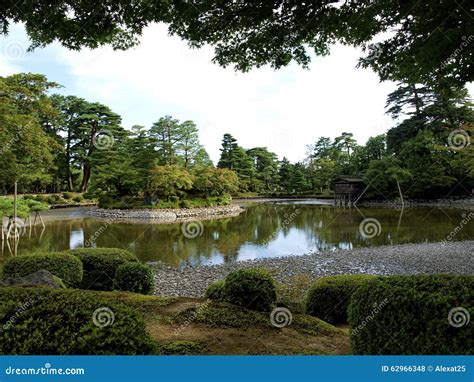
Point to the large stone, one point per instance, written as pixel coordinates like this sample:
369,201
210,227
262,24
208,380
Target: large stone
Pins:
38,278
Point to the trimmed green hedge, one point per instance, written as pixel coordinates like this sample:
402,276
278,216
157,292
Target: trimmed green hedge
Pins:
45,321
134,277
63,265
215,291
100,265
329,297
253,289
408,315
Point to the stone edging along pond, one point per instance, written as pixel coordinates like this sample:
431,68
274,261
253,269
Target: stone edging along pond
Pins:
167,215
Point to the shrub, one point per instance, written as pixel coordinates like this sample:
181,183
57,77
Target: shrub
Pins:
51,200
100,265
63,265
58,321
329,297
250,288
68,195
35,205
134,277
41,198
408,315
215,291
78,199
185,204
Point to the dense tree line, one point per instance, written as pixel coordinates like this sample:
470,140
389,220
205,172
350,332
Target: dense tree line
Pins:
55,143
422,41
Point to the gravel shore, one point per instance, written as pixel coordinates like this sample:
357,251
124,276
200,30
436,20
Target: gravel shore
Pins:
452,257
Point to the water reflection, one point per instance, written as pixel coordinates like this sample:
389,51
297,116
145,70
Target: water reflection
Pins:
262,230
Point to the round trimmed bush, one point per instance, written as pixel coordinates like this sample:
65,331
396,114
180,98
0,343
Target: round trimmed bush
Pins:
253,289
65,266
329,297
215,291
413,315
100,265
67,322
134,277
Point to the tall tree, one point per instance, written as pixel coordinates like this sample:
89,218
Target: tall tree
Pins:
167,135
70,108
98,127
188,146
266,167
27,151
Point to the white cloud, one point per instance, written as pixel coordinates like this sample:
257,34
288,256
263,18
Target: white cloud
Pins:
12,54
284,110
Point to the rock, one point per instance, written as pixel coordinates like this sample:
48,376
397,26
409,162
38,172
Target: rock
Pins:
166,215
450,257
38,278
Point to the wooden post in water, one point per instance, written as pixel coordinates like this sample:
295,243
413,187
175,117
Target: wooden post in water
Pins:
15,230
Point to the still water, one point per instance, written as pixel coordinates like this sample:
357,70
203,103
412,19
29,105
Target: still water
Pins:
263,230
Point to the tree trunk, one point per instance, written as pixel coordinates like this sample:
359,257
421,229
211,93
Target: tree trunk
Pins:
86,172
86,175
68,161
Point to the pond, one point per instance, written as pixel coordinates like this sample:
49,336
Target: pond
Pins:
270,229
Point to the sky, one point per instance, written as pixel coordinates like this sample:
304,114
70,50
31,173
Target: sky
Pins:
284,110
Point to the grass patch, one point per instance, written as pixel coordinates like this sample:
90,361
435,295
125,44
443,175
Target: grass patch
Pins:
181,348
222,315
146,305
313,326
